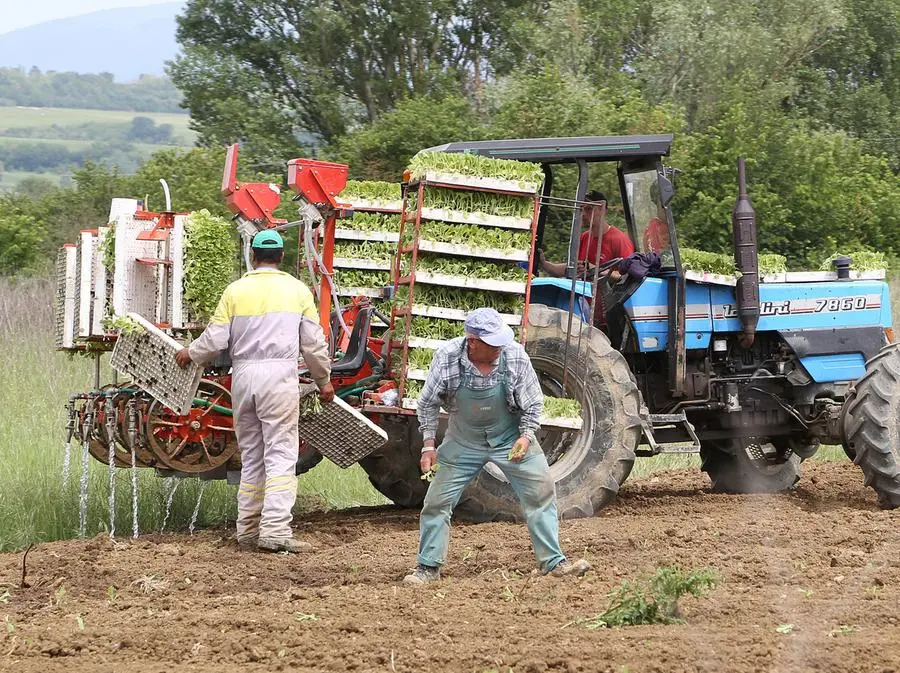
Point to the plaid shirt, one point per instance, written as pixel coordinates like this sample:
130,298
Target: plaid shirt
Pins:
523,390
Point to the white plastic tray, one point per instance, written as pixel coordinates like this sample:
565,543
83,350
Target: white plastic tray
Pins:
483,219
373,205
458,314
510,286
370,264
354,235
711,278
469,251
419,342
485,184
374,292
148,357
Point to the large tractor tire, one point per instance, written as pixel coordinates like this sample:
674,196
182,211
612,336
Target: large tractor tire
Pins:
589,465
871,425
394,468
739,466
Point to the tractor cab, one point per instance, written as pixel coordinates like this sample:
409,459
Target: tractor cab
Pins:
645,192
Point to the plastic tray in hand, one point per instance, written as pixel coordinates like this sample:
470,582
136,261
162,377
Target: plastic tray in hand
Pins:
148,357
339,432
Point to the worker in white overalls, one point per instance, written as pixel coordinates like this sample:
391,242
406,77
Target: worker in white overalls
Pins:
265,320
486,382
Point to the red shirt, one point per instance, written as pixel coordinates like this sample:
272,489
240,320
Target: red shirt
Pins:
615,244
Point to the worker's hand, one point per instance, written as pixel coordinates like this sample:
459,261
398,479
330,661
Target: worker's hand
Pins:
519,449
428,459
326,392
183,358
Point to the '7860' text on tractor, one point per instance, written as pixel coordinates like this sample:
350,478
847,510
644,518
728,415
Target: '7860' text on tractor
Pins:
753,373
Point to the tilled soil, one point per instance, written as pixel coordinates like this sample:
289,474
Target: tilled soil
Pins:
808,582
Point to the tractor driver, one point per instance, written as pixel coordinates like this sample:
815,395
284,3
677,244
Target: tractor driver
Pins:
615,242
265,319
486,380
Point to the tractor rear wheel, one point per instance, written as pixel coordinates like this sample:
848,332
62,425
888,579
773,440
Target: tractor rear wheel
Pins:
587,465
740,466
394,468
871,425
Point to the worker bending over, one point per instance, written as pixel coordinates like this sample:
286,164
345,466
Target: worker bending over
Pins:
265,319
487,383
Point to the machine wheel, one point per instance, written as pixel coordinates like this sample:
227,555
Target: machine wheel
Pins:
587,465
394,469
739,466
871,425
198,442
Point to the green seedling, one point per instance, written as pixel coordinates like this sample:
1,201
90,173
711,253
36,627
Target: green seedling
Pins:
210,251
843,629
784,629
79,620
429,476
5,596
10,627
652,600
111,595
305,617
473,165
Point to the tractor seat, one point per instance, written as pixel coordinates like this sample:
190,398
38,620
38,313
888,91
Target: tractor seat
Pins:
353,359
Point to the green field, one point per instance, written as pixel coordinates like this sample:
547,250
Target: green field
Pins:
35,383
21,117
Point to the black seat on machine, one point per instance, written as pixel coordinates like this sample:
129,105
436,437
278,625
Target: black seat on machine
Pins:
353,359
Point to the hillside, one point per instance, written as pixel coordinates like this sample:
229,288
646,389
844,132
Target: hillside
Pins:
126,42
50,142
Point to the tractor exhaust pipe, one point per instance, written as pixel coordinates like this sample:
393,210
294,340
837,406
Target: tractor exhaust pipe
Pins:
743,223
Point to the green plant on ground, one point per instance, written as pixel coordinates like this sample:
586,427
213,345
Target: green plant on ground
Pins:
652,600
210,251
473,165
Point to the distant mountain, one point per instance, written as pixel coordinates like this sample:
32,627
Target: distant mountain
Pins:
126,42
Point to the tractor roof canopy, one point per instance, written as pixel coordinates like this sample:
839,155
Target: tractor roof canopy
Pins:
565,150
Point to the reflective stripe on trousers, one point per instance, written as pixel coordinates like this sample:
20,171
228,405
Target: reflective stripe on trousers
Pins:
483,430
266,405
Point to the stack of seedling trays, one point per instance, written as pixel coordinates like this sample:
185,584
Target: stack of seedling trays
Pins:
466,242
365,244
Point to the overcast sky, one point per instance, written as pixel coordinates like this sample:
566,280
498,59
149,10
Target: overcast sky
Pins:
15,14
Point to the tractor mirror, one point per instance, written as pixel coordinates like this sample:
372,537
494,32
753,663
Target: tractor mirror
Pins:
666,190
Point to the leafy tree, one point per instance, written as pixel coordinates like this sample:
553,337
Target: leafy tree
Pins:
814,192
700,53
23,237
320,67
381,150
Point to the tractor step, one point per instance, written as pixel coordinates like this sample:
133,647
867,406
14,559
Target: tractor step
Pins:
667,433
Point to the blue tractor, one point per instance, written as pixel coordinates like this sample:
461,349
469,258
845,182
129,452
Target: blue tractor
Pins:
752,375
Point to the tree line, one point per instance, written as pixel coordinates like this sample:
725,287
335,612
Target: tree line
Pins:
807,90
33,88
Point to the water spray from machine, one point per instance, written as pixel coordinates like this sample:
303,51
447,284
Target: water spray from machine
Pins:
174,484
196,511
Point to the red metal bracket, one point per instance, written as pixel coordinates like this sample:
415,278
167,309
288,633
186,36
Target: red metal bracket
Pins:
254,201
319,182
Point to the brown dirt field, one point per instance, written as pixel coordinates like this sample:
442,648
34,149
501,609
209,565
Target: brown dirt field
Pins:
819,558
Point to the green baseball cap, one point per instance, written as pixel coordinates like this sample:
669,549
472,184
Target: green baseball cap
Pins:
268,240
